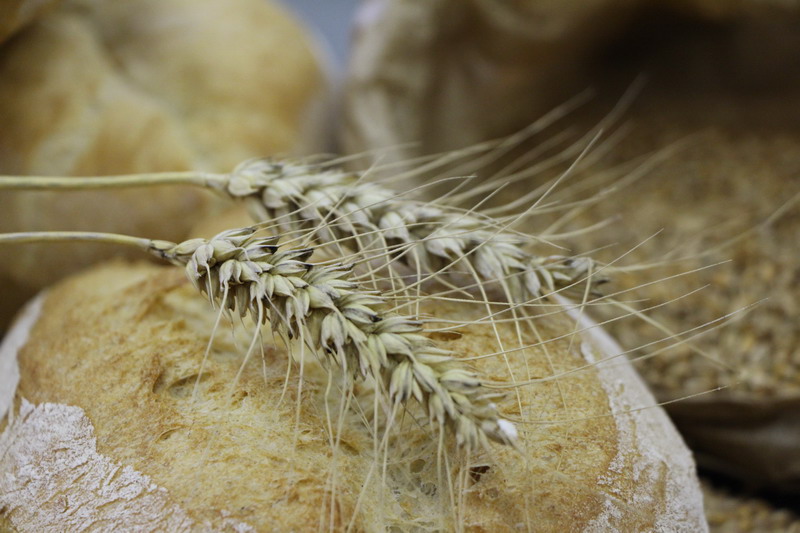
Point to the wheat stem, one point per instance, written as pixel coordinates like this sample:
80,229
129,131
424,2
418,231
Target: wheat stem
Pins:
337,206
35,183
74,236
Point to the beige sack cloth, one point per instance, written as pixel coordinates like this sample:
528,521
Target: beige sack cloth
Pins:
446,74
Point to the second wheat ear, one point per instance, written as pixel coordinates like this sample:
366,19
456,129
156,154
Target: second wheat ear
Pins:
330,204
320,305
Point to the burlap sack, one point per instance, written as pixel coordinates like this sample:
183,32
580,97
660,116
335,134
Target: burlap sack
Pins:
445,74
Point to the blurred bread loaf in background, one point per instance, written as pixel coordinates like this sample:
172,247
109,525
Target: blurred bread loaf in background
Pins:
96,87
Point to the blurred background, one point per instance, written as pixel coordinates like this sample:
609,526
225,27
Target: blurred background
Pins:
332,22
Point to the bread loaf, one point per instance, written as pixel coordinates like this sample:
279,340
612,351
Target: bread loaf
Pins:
103,88
107,431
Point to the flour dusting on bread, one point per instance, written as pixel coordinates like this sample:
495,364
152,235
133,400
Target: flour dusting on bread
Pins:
12,343
55,480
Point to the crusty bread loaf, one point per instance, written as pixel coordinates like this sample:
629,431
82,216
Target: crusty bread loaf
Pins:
100,88
107,434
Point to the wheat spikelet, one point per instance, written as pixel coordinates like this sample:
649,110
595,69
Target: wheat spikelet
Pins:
244,273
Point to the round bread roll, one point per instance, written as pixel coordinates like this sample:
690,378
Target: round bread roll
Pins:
109,432
103,88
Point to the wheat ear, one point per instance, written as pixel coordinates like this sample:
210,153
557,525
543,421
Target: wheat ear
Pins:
319,304
334,205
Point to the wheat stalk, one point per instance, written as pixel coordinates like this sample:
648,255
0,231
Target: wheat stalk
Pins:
318,303
334,205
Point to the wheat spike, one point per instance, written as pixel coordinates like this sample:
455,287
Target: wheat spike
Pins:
335,205
244,273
